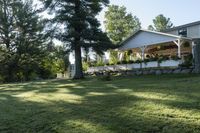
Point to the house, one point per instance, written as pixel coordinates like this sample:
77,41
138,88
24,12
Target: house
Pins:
175,45
177,41
191,30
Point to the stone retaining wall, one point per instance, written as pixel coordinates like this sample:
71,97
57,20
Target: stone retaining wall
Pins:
161,71
149,71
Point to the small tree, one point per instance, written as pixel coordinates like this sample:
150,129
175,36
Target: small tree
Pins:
161,23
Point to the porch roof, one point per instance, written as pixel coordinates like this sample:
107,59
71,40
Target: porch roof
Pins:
143,38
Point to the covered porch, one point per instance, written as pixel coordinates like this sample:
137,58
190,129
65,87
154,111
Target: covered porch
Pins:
149,46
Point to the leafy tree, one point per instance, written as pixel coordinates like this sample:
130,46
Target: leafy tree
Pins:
119,24
161,23
23,42
80,26
31,39
62,59
7,37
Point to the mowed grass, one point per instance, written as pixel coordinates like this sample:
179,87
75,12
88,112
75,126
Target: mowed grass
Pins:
146,104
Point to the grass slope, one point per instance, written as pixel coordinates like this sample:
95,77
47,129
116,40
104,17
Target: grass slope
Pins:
147,104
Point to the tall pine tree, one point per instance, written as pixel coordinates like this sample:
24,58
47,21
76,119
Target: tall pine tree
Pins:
81,27
22,40
31,40
7,38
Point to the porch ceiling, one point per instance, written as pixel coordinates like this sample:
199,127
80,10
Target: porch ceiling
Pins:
148,38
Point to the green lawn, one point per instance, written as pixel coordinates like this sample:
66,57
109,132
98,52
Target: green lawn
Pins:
146,104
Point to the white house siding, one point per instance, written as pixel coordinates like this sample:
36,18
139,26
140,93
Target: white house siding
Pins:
194,31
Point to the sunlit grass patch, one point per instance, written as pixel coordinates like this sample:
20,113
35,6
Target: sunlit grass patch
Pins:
156,104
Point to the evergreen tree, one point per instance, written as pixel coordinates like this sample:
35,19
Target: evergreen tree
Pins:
22,38
161,23
31,39
81,28
7,38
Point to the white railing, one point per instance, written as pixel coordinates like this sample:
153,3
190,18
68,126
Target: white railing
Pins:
153,64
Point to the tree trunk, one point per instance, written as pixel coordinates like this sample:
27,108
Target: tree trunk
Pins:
78,59
78,64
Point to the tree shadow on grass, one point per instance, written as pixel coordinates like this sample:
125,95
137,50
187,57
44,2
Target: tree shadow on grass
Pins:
95,114
101,109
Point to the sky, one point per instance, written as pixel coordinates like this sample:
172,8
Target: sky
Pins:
179,11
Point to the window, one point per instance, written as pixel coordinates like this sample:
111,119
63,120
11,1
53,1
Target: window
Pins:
182,32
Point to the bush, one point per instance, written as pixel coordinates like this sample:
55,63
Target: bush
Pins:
131,62
85,66
138,61
124,62
160,59
153,59
1,79
106,77
146,60
119,62
165,58
188,61
175,57
186,44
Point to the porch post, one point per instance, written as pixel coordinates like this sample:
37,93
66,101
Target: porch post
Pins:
143,51
179,48
120,55
193,45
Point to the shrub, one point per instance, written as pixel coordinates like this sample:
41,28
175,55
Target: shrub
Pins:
119,62
186,44
1,79
146,60
85,66
100,63
131,62
138,61
153,59
124,62
106,77
165,58
159,60
175,57
188,61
